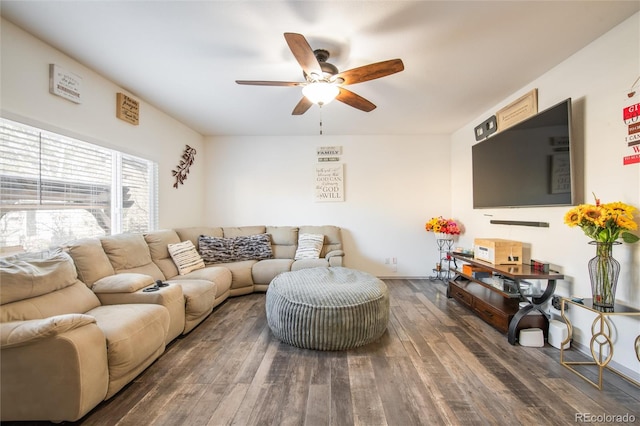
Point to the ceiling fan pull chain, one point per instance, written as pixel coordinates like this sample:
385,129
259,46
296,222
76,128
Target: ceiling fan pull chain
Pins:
320,107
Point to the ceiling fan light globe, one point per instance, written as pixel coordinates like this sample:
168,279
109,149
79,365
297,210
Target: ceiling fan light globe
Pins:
321,92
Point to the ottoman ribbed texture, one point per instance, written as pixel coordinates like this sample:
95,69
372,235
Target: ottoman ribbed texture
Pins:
327,308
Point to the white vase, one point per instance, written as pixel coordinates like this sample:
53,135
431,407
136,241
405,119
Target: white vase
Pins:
443,236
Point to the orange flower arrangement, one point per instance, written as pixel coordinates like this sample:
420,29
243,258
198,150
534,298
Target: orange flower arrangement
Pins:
440,225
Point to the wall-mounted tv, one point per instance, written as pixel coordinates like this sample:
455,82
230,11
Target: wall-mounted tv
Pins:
529,164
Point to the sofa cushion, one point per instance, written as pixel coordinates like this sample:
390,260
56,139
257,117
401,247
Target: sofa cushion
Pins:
309,263
28,276
127,282
92,263
194,232
266,270
242,231
158,242
332,237
235,249
135,336
220,275
284,241
199,298
309,246
186,257
75,299
130,253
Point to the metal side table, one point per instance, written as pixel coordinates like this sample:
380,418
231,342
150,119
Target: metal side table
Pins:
601,341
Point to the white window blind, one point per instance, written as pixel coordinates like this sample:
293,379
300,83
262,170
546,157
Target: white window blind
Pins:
55,189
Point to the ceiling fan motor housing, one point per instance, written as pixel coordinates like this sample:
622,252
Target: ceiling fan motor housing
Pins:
328,70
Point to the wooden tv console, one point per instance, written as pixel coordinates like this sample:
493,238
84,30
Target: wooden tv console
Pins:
497,299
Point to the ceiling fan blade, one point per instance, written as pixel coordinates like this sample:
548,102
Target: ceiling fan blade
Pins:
354,100
302,106
371,71
303,53
269,83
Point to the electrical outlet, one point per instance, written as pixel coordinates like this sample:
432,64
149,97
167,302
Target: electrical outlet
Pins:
386,260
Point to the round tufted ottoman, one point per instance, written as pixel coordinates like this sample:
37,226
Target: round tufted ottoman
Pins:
327,308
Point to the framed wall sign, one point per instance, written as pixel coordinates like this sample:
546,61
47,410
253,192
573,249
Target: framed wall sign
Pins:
65,84
518,110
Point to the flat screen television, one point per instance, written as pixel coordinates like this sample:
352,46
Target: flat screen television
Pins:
527,165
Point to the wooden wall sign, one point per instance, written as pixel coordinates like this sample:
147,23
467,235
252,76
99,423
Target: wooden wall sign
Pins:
127,109
65,84
518,110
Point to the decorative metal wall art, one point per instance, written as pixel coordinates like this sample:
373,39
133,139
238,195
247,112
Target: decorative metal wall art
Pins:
181,172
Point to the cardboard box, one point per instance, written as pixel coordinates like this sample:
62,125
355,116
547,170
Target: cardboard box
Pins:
472,271
498,251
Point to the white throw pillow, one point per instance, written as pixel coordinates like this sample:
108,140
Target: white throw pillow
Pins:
309,246
185,256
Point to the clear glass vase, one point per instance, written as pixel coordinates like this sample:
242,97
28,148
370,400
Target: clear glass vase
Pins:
603,272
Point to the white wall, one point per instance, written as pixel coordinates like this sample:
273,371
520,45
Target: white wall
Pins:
597,79
25,97
393,185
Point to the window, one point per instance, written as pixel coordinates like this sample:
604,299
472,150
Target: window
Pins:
54,189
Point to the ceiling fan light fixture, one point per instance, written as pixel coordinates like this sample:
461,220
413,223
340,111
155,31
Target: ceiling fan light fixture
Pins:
320,92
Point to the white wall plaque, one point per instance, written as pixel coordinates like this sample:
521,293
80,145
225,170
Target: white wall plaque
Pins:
329,182
65,84
328,151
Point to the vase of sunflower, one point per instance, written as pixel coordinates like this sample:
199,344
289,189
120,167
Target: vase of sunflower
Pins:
605,224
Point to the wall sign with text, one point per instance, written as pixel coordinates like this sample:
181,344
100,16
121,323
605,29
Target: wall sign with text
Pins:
631,119
65,84
329,182
127,109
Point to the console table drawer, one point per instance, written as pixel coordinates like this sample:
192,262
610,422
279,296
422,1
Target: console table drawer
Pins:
488,313
462,296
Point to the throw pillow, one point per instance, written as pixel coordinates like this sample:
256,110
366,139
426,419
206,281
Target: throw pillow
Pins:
185,257
252,247
235,249
309,246
215,249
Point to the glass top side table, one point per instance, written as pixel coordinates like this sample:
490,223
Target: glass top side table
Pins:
601,344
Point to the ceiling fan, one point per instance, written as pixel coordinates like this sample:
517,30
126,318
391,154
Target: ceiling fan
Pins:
323,80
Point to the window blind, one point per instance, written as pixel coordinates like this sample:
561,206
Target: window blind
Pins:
54,188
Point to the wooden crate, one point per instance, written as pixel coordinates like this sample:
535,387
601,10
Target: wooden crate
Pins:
498,251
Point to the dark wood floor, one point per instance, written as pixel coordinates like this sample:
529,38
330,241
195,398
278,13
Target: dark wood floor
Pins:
436,364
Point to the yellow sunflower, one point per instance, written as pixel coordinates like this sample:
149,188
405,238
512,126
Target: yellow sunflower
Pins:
573,217
594,214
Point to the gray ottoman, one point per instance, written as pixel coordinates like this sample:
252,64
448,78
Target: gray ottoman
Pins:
327,308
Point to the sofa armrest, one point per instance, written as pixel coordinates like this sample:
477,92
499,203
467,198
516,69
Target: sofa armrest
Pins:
122,283
57,378
333,253
21,333
335,257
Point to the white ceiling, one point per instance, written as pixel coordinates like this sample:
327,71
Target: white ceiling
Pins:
461,57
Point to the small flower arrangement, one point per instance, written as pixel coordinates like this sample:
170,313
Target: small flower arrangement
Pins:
604,223
440,225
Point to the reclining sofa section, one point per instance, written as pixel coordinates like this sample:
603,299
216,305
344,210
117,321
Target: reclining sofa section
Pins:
78,326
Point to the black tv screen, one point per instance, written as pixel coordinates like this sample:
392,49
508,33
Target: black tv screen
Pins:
527,165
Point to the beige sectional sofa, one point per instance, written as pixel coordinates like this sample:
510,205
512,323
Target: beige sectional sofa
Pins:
78,325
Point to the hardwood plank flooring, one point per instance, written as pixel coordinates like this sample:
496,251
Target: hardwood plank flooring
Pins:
437,363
